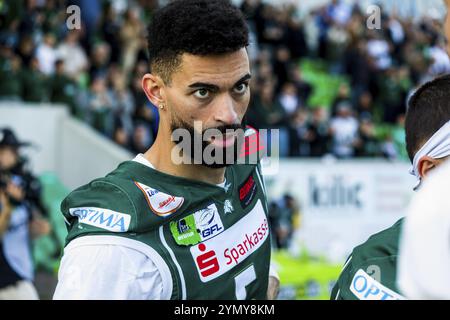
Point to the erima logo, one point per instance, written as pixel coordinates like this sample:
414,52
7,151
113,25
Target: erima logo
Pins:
102,218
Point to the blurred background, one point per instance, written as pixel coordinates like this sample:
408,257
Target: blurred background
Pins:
333,85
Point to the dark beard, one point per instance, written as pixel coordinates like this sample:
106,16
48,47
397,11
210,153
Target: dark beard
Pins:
229,155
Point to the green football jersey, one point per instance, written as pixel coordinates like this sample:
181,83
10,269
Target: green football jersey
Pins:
370,272
213,241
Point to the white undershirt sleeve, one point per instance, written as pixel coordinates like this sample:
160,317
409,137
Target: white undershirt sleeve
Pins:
90,270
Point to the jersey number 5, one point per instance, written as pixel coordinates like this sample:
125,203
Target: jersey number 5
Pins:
242,280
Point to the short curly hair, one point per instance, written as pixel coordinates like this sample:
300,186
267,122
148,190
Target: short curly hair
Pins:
428,110
198,27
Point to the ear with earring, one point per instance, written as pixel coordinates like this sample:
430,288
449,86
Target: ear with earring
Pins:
161,106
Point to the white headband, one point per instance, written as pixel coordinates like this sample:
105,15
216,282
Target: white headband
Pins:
438,146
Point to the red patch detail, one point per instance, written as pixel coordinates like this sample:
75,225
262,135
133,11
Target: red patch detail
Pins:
252,144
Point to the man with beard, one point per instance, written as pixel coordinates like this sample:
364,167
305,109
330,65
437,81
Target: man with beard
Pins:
173,223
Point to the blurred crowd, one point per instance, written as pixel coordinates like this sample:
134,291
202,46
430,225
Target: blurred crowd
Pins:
97,70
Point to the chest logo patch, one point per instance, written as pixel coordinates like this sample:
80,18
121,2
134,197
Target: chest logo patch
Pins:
197,227
162,204
220,254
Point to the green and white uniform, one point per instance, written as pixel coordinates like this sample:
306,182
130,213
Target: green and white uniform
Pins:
205,241
370,272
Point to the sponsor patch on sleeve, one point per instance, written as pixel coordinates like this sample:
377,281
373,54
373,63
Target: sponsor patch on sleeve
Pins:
364,287
161,204
247,191
102,218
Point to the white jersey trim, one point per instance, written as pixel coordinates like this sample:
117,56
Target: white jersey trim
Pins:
172,255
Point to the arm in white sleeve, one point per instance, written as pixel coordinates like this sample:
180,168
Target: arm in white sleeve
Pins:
92,268
424,254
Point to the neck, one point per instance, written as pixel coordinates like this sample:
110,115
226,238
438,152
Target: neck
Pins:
159,156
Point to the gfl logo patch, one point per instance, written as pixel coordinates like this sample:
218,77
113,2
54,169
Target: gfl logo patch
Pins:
207,262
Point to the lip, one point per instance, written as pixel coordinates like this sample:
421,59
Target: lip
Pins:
224,141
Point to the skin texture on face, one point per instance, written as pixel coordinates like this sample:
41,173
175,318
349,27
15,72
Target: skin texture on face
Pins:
211,89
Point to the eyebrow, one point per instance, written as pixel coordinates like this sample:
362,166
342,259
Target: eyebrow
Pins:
215,88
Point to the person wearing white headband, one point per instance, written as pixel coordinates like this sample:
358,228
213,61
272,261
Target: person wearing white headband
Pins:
424,254
436,148
371,271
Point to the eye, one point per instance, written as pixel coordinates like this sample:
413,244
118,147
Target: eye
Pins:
241,88
201,93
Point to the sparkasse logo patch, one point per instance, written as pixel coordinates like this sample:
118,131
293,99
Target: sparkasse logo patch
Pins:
223,252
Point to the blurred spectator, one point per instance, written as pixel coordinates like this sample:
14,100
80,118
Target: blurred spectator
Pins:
283,219
99,60
388,148
46,54
21,219
35,84
63,88
26,49
98,106
300,135
265,112
109,28
281,67
130,33
289,99
11,75
344,130
398,136
142,138
304,89
121,136
319,133
343,96
123,102
367,144
73,55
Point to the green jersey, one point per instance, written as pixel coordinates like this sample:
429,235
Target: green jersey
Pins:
370,272
212,242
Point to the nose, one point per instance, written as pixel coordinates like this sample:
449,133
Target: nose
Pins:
225,111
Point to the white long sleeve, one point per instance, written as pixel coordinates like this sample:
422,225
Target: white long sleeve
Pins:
93,269
424,255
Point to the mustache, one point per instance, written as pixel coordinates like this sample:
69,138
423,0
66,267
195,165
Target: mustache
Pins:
223,129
